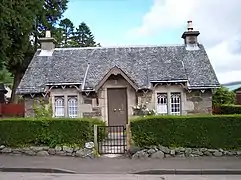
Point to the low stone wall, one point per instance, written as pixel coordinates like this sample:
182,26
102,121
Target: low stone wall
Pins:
47,151
161,152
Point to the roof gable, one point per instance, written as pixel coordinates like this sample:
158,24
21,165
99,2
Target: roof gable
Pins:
115,70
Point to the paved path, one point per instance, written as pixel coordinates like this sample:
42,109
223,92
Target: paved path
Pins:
36,176
117,165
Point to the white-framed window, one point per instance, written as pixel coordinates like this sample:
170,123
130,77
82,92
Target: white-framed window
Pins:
72,107
175,103
162,103
59,106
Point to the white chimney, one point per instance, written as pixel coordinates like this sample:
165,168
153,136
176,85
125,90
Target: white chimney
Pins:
190,36
47,42
48,34
189,26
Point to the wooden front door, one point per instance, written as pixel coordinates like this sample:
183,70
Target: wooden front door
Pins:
117,106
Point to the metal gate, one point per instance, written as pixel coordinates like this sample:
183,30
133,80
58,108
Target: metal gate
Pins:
111,139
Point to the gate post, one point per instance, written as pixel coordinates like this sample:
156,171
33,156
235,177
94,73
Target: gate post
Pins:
128,137
96,136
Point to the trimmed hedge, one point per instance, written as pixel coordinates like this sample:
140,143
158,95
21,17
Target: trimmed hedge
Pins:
227,109
50,132
188,131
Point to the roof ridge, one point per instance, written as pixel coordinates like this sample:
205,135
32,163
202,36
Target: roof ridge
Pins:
122,46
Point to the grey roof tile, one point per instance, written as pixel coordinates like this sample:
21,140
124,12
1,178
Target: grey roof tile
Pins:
141,65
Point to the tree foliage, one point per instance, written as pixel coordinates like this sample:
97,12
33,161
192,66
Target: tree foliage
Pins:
22,22
84,37
65,33
223,96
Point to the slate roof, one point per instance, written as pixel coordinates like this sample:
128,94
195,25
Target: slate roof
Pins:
141,64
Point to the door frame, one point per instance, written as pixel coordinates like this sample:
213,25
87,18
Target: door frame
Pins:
107,98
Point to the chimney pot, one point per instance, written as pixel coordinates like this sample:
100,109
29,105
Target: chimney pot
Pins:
48,34
189,26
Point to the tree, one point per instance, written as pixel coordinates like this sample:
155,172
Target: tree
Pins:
6,77
49,14
66,30
223,96
20,20
84,37
19,16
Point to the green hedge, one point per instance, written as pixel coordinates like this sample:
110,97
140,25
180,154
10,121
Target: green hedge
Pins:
51,132
188,131
227,109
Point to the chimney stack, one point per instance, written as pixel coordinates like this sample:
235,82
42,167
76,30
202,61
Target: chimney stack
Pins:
47,42
190,36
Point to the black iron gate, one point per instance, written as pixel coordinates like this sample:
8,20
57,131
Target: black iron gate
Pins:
111,139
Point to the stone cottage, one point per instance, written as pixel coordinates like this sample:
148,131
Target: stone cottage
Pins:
107,82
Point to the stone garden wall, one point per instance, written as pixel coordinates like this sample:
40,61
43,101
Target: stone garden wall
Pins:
161,152
86,152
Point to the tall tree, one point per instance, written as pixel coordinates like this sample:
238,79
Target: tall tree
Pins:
19,15
84,37
49,14
66,28
20,20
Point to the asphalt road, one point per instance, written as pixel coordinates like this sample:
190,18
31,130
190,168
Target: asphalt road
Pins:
117,166
36,176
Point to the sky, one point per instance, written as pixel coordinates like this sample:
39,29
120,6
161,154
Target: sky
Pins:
160,22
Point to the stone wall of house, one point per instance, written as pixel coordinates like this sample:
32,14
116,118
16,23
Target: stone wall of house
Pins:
87,103
192,102
31,102
90,107
198,102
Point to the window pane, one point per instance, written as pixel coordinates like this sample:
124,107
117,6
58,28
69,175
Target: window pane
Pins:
175,103
162,103
72,107
59,106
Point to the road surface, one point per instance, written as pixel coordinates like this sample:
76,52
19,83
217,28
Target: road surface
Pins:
36,176
117,166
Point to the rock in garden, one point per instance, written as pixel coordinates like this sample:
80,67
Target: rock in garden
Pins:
6,150
207,153
238,153
180,155
84,153
60,153
197,152
188,151
151,151
158,155
172,152
89,145
42,153
30,153
67,149
58,148
217,153
2,147
51,151
39,148
140,155
164,149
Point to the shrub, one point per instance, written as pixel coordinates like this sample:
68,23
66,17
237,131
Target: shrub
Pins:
227,109
50,132
188,131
